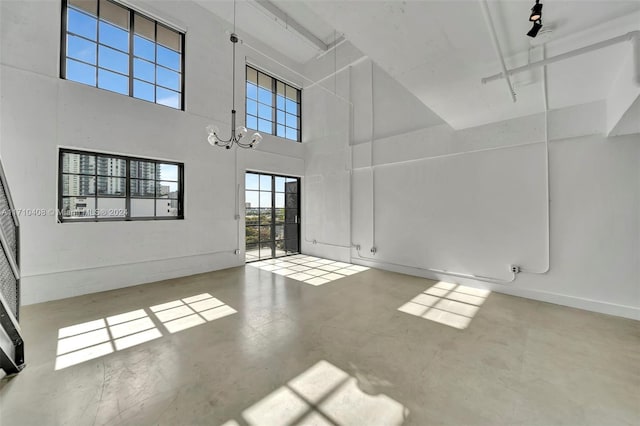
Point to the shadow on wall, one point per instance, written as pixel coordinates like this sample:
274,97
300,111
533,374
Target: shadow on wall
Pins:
323,395
94,339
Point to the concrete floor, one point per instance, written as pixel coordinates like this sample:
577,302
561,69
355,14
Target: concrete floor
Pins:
264,349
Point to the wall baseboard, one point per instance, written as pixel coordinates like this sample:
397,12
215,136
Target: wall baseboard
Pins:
625,311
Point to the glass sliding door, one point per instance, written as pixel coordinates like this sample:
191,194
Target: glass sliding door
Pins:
272,216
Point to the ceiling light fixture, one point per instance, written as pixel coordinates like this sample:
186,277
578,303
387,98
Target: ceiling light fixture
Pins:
536,12
236,133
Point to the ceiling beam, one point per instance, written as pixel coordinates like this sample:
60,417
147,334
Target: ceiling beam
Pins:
292,24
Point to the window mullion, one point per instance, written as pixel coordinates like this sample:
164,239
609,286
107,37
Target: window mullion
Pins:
131,34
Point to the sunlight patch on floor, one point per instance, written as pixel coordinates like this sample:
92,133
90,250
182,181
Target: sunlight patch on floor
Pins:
449,304
93,339
323,395
309,269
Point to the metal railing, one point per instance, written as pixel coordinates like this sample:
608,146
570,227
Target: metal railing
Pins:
11,343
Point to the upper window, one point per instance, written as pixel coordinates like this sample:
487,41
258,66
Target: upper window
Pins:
110,46
272,106
112,187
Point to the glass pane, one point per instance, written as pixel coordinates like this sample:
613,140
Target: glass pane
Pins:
111,186
291,107
279,215
265,184
251,234
265,97
82,24
265,251
144,91
113,82
142,188
252,91
144,48
252,107
265,199
291,201
81,49
145,27
113,60
265,233
110,166
169,38
252,252
144,70
251,199
114,37
252,216
78,207
90,6
115,14
265,126
168,58
279,184
292,121
142,208
168,78
167,190
166,207
111,207
280,88
292,134
279,200
252,122
280,117
168,98
252,75
82,73
292,93
265,216
265,81
264,111
279,232
142,169
282,132
168,172
251,181
78,185
78,163
280,102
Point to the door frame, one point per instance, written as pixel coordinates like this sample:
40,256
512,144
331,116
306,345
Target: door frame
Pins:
273,215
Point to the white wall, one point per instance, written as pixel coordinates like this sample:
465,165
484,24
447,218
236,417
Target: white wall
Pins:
40,112
474,201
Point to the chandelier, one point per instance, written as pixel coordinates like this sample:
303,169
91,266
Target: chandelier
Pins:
237,133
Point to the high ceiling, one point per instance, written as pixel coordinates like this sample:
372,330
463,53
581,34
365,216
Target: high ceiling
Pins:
440,50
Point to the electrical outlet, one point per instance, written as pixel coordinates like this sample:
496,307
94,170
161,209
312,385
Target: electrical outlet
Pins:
374,250
236,251
514,269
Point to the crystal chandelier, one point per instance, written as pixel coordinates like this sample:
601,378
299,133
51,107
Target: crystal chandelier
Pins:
237,134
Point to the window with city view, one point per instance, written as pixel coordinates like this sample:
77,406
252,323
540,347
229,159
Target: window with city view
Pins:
94,186
272,106
112,47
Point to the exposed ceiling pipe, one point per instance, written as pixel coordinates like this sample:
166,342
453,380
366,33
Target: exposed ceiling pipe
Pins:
292,24
633,36
496,45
